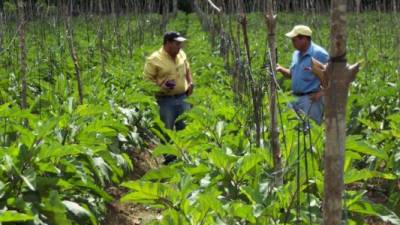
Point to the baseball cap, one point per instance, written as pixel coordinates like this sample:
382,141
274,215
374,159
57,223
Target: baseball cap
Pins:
299,30
173,36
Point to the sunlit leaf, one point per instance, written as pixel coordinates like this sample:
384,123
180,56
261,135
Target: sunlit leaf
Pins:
354,144
163,172
372,209
166,149
14,216
78,210
353,175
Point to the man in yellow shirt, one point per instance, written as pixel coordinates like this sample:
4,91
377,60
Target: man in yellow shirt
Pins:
169,69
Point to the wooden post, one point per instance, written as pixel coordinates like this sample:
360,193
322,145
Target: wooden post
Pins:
22,47
274,132
339,75
72,51
174,7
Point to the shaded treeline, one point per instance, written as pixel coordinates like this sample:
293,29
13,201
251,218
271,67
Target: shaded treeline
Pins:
35,7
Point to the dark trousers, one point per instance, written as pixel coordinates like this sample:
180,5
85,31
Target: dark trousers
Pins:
170,108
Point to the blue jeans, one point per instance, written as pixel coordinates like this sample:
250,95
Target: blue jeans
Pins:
170,108
313,109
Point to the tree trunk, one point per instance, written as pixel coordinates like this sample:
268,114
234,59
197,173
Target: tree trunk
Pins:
274,132
397,19
72,51
100,4
174,7
358,6
339,76
255,90
91,6
2,26
165,15
203,17
22,47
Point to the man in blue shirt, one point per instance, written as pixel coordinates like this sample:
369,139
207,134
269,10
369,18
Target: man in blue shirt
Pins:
305,85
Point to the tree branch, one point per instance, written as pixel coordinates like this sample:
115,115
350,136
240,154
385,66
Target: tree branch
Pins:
353,69
318,69
214,6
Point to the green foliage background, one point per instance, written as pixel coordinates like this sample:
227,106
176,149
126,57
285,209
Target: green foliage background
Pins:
56,167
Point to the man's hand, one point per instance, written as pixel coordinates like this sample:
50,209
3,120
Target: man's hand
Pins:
279,68
168,85
189,91
283,70
316,96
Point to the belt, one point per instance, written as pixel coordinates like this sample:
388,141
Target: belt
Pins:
306,93
173,96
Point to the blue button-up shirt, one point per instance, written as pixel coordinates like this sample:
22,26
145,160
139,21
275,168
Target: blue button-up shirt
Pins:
303,80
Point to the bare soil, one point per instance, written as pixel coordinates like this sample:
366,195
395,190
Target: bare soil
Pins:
130,213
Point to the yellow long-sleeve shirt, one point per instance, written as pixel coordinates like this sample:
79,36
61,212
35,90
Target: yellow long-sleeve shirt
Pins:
160,67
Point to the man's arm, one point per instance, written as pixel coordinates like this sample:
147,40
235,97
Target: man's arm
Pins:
189,79
284,71
150,72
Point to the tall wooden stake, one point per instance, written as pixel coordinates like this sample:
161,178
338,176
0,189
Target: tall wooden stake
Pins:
339,75
72,51
22,47
274,132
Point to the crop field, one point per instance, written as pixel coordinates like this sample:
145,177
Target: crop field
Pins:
76,111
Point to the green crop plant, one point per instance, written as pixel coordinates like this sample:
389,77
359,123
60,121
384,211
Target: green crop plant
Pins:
55,169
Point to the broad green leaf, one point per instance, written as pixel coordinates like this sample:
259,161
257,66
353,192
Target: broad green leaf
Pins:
252,194
28,183
26,136
161,173
221,160
247,163
200,170
70,107
55,208
353,175
47,127
140,197
171,217
219,128
104,127
397,157
93,188
91,110
166,149
353,197
354,144
146,192
116,164
349,157
210,200
4,108
2,189
378,210
140,98
243,211
394,117
19,114
14,216
102,168
78,210
59,151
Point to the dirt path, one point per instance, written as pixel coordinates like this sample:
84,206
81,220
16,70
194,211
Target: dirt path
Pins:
130,213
